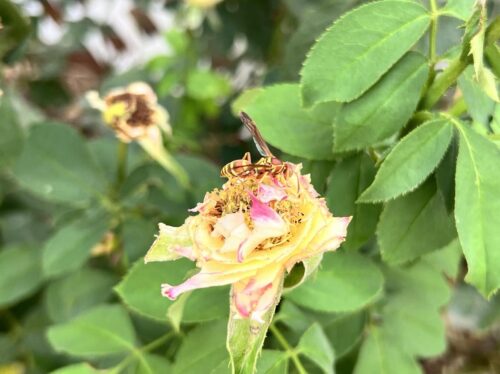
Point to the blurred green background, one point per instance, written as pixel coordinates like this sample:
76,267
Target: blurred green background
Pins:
199,56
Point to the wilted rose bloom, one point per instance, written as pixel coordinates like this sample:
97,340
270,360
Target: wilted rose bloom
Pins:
249,234
133,112
135,115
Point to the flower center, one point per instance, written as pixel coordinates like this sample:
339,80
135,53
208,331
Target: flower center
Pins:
141,114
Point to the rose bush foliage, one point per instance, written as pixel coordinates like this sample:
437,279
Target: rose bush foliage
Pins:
368,244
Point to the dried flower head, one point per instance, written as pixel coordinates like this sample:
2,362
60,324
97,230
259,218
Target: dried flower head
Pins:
134,114
266,218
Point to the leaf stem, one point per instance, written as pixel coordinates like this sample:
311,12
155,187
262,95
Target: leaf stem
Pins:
444,81
121,169
289,349
136,353
458,107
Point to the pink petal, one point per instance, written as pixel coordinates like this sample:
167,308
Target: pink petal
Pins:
253,297
262,214
267,224
202,280
270,193
199,207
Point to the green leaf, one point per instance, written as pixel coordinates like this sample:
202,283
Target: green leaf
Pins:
412,312
479,105
70,247
287,126
272,362
445,174
446,260
244,100
82,368
152,364
410,161
483,75
476,208
204,175
348,179
67,297
56,164
20,274
315,346
413,225
245,337
137,236
384,108
206,304
101,331
203,85
380,355
359,48
105,152
410,323
313,18
344,331
140,289
461,9
203,350
293,317
345,282
12,139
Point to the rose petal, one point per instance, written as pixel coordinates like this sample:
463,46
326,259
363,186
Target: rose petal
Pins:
328,238
270,193
267,224
226,224
170,244
253,297
203,279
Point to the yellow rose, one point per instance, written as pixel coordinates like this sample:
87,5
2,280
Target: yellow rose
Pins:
249,233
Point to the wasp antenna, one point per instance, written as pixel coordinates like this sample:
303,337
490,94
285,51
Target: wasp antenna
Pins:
259,141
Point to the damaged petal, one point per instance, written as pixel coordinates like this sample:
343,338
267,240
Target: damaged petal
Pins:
269,193
170,244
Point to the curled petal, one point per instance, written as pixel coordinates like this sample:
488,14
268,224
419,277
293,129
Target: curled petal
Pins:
267,224
328,238
234,229
262,214
270,193
203,279
170,244
226,224
95,100
253,297
141,88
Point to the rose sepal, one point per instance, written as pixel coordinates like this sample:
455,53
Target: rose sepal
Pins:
245,336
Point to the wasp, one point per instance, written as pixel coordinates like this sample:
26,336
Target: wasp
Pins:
268,164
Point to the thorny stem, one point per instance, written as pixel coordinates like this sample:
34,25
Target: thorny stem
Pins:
290,351
444,81
456,67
